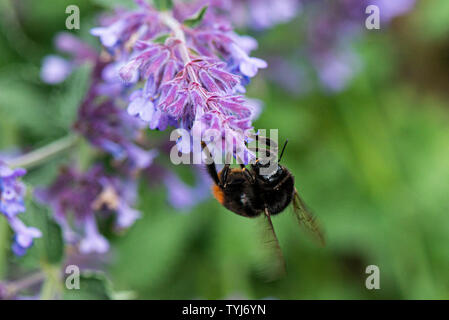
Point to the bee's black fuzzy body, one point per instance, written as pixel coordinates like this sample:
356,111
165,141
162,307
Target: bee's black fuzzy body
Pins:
250,193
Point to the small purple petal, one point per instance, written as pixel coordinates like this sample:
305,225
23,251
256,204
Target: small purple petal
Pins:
55,69
93,241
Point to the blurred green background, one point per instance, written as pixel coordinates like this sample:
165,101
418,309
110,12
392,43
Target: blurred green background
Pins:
371,161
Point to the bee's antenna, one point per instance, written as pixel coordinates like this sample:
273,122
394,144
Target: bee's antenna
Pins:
283,149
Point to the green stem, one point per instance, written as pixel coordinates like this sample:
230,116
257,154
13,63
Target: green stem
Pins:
52,286
4,246
38,156
15,287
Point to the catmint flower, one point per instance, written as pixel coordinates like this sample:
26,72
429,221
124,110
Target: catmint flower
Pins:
12,193
391,9
23,236
121,30
332,32
101,121
79,199
186,81
56,69
264,14
182,196
258,14
112,130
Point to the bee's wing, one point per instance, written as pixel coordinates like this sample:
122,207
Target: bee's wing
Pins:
275,267
306,218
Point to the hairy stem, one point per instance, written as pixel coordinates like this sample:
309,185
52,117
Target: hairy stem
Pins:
38,156
19,285
176,27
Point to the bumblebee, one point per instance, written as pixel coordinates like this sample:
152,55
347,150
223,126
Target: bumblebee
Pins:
251,193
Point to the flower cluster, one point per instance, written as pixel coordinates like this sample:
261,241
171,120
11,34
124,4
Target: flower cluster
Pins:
110,129
184,68
259,14
332,32
193,79
55,69
78,199
332,27
12,193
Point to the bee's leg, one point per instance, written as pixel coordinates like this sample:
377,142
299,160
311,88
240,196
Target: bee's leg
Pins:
276,187
224,176
247,174
211,169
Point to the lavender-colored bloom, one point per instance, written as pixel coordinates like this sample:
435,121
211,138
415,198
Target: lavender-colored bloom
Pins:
258,14
55,69
182,196
332,31
92,241
12,193
266,14
113,130
102,122
23,237
69,44
121,30
248,66
78,199
181,89
391,9
335,70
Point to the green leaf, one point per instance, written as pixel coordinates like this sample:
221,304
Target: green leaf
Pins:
94,285
51,245
161,38
129,4
54,244
163,5
196,19
24,105
69,99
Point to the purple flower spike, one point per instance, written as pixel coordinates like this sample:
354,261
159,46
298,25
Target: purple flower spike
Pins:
114,131
12,193
79,199
189,81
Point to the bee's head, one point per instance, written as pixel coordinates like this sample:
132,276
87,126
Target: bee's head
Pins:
268,171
